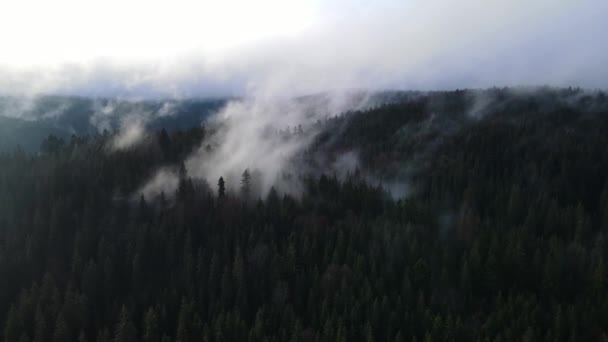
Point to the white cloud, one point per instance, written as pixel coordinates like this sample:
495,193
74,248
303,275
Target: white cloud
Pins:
132,131
164,181
209,48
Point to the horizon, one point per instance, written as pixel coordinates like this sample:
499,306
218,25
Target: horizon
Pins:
245,96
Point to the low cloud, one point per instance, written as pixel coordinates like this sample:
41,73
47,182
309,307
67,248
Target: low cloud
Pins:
336,45
132,131
270,53
164,181
264,135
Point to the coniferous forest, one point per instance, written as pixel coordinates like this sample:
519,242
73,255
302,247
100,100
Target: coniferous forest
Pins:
501,235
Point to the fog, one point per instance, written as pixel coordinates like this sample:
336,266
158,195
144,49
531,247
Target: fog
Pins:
267,136
206,49
269,53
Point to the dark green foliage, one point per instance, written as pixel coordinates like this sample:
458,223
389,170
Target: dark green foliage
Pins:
221,187
504,238
246,184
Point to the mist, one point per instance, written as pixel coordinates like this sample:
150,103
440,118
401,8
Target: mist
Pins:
270,54
267,136
303,48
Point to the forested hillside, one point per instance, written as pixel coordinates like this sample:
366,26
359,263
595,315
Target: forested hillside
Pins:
26,121
500,237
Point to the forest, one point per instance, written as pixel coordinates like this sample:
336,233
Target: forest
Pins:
500,236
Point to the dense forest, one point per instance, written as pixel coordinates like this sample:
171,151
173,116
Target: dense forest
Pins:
501,236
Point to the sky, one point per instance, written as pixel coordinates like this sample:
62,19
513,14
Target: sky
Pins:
188,48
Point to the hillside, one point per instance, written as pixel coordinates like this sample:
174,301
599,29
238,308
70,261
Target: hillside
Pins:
441,216
27,121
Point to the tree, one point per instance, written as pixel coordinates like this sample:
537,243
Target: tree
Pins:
246,184
151,332
62,331
11,327
342,260
185,326
52,144
221,187
103,336
82,337
164,142
41,331
125,329
184,187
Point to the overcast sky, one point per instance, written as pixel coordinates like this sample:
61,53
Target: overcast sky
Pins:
183,48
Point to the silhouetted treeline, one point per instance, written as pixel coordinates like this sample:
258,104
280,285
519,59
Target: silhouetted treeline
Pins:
502,239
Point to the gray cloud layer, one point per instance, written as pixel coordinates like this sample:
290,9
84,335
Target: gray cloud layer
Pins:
356,44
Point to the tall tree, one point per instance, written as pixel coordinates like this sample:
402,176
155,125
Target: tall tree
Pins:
125,329
221,187
11,327
151,329
246,184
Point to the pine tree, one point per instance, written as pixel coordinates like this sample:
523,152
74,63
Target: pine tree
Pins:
184,322
151,331
82,337
246,184
11,327
103,336
62,332
221,187
41,331
125,329
399,337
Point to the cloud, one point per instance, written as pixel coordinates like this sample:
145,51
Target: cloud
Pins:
271,51
164,181
263,134
130,117
266,135
206,49
131,132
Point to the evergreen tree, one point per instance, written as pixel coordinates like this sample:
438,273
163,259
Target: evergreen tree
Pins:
125,329
11,327
151,328
221,187
62,331
502,240
246,184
